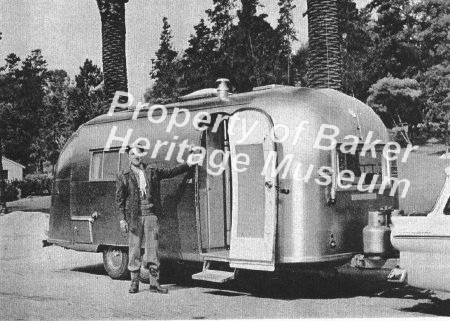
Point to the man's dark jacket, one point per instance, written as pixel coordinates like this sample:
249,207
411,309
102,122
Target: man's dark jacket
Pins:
127,191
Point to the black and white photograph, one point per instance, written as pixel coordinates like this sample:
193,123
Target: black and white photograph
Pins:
224,159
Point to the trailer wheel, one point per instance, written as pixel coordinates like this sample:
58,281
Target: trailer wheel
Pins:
115,261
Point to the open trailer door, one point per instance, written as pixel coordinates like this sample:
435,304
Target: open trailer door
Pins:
254,208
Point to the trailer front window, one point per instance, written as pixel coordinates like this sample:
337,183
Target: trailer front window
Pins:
362,164
447,207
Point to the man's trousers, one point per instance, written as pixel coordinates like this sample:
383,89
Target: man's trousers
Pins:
146,235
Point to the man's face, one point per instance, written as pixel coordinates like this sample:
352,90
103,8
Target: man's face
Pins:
134,159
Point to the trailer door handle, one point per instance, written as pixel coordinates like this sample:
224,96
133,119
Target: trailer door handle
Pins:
284,190
95,215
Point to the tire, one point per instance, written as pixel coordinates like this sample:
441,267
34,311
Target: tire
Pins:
115,261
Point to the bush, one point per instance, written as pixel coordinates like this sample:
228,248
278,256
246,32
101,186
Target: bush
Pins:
11,192
420,135
35,184
398,135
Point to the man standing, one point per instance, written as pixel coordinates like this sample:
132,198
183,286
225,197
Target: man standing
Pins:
139,202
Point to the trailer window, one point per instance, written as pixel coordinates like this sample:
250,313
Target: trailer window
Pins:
110,165
104,165
124,162
96,166
360,164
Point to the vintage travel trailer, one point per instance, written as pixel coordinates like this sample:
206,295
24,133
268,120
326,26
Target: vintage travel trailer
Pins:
424,245
274,202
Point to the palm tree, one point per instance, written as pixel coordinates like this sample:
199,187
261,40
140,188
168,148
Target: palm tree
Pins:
112,13
324,57
3,208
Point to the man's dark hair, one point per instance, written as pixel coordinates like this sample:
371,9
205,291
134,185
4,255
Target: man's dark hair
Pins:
129,148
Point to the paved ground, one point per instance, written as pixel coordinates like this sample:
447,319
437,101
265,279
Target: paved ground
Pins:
53,283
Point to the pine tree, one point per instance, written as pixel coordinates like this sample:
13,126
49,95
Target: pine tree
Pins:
166,70
86,99
30,105
221,17
55,124
252,50
392,53
355,47
200,59
3,208
287,35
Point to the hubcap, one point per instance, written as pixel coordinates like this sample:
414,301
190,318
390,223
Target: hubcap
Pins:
116,258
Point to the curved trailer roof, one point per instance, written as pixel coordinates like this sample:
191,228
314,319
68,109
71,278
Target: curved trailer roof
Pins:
322,106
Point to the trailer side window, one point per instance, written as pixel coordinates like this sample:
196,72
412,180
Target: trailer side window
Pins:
362,164
124,163
447,207
104,165
96,166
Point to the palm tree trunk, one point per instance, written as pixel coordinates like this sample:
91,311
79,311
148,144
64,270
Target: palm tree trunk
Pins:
3,208
112,13
324,55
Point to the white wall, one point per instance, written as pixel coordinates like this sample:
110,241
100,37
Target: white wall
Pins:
15,172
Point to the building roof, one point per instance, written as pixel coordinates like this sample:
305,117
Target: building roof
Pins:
7,160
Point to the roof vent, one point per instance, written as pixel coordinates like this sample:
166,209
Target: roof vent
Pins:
267,87
199,94
222,89
221,92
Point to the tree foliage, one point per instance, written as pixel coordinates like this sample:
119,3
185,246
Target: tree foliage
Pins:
165,70
287,35
21,97
200,59
397,101
55,128
355,46
252,50
234,42
40,108
395,55
86,99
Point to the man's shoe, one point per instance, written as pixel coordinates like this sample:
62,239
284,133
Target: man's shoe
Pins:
134,287
159,289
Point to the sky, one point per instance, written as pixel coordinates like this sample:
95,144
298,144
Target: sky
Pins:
68,32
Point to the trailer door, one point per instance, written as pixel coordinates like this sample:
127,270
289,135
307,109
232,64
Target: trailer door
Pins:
254,207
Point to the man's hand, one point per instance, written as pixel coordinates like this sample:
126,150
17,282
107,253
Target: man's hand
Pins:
194,155
124,226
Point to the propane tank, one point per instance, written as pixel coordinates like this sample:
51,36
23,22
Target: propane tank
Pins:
376,235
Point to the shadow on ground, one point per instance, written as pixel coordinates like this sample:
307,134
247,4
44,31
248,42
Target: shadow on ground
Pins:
298,286
285,286
96,269
438,153
435,307
26,209
292,286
